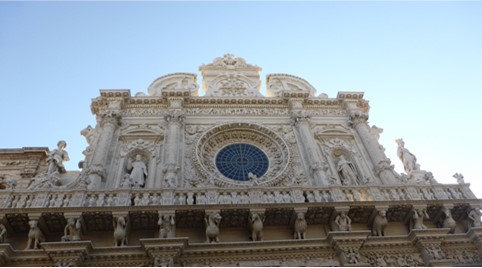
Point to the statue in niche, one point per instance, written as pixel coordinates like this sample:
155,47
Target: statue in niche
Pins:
474,217
416,223
57,157
347,172
138,171
343,222
408,159
72,230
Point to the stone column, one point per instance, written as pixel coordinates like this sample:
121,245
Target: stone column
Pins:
110,121
173,146
307,141
383,167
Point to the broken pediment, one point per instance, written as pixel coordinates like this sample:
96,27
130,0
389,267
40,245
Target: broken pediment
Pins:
174,82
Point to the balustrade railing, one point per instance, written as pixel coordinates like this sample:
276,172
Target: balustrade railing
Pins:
200,196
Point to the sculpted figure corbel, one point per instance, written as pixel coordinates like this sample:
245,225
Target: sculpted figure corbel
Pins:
379,223
120,231
447,221
72,230
300,226
474,217
418,215
343,222
255,225
167,226
35,235
212,227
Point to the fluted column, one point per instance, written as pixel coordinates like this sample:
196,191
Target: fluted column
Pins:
383,167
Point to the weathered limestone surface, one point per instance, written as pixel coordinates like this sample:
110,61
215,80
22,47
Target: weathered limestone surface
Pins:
174,177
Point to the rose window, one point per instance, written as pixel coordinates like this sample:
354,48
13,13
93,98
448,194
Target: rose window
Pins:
238,161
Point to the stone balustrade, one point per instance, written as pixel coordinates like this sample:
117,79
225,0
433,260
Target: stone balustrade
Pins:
208,196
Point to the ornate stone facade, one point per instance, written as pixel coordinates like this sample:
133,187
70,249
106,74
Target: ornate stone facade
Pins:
231,178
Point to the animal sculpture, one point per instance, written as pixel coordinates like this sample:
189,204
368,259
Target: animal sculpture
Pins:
35,236
120,232
300,226
379,223
256,226
212,227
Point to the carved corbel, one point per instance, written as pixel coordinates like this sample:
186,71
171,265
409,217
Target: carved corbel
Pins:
298,221
255,224
167,224
121,228
378,221
339,219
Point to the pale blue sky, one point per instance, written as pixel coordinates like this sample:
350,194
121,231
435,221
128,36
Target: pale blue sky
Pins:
419,64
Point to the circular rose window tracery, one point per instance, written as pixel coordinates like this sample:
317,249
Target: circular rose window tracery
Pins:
241,161
218,150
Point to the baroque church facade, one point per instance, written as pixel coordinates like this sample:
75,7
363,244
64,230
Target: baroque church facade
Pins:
231,177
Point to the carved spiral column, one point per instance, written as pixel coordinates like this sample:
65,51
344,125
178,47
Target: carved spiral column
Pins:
382,164
307,141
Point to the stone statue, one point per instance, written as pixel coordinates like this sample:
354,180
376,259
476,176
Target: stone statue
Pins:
347,171
379,223
212,227
120,231
72,230
255,224
57,157
408,159
138,171
170,178
300,226
416,223
3,231
474,217
126,181
167,226
448,221
459,177
343,222
35,236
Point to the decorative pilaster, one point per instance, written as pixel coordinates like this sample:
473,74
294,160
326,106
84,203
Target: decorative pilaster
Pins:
358,120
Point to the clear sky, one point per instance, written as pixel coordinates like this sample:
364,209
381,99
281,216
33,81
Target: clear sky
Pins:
419,64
